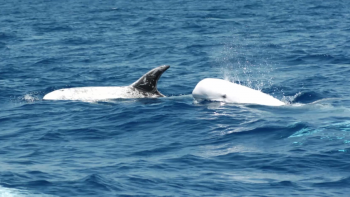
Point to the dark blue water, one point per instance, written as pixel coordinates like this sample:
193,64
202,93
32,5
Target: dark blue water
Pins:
297,51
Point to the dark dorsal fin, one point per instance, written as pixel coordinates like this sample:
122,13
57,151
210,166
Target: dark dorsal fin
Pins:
148,82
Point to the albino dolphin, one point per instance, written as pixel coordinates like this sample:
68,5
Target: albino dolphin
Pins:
146,86
224,91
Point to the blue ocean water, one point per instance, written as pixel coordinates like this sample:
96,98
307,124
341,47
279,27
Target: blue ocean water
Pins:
297,51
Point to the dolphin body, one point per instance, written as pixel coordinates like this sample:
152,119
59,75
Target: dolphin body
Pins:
145,87
224,91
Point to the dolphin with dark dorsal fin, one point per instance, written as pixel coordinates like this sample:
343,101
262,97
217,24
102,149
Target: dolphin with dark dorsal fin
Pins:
145,87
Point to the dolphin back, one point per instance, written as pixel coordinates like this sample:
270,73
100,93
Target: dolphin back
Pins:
224,91
148,82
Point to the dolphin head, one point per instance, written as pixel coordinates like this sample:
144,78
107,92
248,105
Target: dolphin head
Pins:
211,89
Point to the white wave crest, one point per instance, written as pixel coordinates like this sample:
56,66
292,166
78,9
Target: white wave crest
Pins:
10,192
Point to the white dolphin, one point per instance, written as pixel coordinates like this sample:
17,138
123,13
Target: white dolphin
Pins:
224,91
146,86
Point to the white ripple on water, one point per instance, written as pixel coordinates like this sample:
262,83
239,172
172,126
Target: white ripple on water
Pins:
10,192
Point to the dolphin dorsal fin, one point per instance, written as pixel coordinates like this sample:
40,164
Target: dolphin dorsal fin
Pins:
148,82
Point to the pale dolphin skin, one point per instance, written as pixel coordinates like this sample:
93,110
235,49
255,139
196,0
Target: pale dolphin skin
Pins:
145,87
224,91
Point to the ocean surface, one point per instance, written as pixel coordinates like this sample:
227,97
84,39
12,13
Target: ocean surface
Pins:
297,51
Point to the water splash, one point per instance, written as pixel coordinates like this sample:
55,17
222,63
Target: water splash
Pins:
243,64
290,99
27,98
30,98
